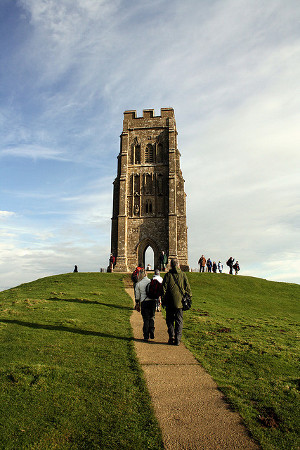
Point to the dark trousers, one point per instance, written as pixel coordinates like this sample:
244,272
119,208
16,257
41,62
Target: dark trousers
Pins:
202,268
148,313
174,319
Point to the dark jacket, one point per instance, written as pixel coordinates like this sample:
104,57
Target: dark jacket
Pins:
171,292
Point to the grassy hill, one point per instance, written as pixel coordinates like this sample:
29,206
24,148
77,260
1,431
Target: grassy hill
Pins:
243,330
69,377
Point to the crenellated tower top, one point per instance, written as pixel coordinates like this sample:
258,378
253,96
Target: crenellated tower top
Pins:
149,199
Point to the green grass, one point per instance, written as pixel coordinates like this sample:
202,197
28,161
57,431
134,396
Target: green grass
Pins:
243,330
69,378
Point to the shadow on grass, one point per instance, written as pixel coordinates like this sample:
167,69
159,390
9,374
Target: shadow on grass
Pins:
89,302
39,326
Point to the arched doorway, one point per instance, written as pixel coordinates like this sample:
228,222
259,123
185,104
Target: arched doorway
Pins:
149,258
142,252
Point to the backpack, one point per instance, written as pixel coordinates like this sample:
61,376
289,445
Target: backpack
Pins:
154,289
228,263
135,274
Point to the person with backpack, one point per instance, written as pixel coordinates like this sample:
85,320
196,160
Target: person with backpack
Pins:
236,267
175,285
145,304
112,262
135,275
156,282
230,264
209,265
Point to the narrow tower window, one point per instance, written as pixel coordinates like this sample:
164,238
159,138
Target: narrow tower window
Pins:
137,155
148,207
159,155
149,154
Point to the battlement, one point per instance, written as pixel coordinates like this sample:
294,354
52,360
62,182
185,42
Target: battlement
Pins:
149,207
149,114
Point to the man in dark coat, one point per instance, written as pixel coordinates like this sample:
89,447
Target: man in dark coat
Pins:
163,261
230,264
175,285
209,265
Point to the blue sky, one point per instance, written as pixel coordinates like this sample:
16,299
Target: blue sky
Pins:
68,71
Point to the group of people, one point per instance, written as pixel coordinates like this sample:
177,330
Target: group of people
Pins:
169,293
206,265
163,262
233,265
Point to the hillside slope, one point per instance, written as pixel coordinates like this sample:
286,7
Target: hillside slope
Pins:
243,330
69,377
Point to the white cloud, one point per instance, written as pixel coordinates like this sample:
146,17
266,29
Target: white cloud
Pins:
29,253
6,214
34,152
231,71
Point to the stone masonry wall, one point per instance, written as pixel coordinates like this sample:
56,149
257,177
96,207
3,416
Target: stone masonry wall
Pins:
149,197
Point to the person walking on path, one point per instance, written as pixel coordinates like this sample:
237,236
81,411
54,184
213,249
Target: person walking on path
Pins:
145,305
230,264
135,275
188,404
174,284
202,262
157,277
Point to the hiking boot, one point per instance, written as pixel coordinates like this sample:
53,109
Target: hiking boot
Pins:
151,334
171,341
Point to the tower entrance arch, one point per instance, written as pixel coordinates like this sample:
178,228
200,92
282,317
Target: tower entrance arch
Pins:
149,205
142,248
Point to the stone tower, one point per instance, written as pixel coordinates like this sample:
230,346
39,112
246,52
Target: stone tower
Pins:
149,207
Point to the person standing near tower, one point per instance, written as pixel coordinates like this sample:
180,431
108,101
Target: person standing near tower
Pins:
175,283
209,265
230,264
220,267
202,262
163,260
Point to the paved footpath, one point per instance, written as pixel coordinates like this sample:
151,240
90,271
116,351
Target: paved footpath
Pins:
189,407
